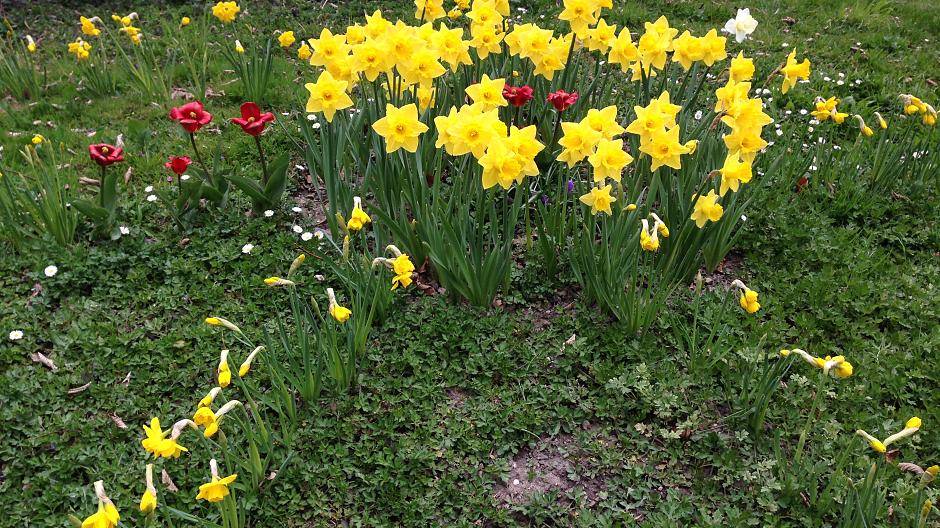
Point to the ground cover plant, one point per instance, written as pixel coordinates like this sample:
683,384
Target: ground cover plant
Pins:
475,263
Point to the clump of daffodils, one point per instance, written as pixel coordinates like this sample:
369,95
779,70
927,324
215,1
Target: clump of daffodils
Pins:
913,105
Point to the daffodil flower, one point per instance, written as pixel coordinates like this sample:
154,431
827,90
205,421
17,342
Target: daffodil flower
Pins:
217,488
107,515
210,397
296,264
881,446
358,218
748,298
837,366
400,265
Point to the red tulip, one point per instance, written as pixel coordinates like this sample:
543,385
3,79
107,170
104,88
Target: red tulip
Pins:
252,120
561,99
517,95
104,154
178,164
191,116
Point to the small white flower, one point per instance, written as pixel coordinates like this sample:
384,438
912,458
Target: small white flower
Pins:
744,218
125,230
296,209
152,198
315,126
306,236
810,129
297,229
803,111
840,82
784,45
16,335
184,177
827,78
319,234
246,249
779,132
269,213
148,188
742,25
698,115
50,271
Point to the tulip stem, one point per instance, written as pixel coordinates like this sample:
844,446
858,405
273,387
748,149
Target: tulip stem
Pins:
192,141
264,164
101,187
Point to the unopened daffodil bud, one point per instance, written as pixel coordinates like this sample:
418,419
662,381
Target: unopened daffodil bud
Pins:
875,444
660,226
218,321
864,129
649,238
210,397
239,48
148,502
223,373
30,44
340,313
358,218
277,281
881,121
630,207
185,21
929,475
296,264
246,365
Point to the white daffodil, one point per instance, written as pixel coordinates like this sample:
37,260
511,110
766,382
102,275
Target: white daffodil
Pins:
741,26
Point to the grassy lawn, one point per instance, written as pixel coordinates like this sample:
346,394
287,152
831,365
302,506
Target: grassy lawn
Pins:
539,411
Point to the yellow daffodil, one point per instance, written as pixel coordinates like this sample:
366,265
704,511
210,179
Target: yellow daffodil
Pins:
340,313
836,366
218,321
286,39
239,48
609,160
706,209
304,52
148,502
741,69
734,172
578,140
226,11
748,299
579,14
89,29
210,397
664,149
599,199
327,95
793,71
185,21
30,44
107,515
488,93
246,365
400,127
217,489
223,372
358,218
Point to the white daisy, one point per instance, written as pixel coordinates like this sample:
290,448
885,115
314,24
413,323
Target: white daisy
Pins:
50,270
246,249
16,335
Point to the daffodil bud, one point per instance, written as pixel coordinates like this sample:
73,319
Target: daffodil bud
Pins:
340,313
225,409
864,129
929,475
875,444
179,426
239,48
246,365
277,281
296,264
910,428
148,502
209,398
881,121
218,321
223,372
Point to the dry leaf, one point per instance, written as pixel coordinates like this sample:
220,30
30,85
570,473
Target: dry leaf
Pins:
117,420
128,174
127,379
571,340
38,357
89,181
76,390
168,482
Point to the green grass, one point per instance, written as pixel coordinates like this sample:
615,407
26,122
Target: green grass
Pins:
452,396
